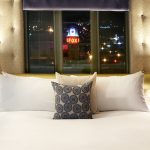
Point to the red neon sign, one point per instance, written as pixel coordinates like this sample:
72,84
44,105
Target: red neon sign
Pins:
72,40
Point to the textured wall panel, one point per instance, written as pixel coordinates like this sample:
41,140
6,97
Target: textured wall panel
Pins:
140,35
11,36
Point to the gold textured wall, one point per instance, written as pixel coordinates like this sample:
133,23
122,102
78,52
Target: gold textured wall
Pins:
140,35
12,36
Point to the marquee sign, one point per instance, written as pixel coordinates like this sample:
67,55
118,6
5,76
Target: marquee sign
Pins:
72,36
72,40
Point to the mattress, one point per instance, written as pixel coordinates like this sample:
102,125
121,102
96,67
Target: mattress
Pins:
36,130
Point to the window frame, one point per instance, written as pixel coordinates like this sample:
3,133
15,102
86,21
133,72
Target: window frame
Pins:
58,40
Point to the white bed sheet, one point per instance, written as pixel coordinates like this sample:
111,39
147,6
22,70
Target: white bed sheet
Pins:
36,130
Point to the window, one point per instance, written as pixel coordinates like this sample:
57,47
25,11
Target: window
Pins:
109,29
112,42
76,41
40,37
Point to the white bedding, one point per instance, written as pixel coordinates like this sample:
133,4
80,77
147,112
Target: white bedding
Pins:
36,130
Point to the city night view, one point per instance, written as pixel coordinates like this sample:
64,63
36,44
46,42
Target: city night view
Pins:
76,42
112,42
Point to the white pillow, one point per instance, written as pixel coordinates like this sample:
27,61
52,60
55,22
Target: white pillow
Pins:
26,93
80,80
121,93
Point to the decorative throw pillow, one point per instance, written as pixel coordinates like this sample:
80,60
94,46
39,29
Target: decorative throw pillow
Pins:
80,80
72,102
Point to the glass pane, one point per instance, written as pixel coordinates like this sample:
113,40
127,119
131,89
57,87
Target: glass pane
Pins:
76,41
41,42
112,42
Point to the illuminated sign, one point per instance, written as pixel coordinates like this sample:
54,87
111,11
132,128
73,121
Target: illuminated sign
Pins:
72,40
72,36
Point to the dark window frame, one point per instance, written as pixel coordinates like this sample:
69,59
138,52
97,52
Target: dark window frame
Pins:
58,42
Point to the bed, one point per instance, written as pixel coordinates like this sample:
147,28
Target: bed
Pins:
26,117
113,130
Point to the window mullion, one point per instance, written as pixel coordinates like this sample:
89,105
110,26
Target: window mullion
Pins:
94,40
58,41
27,64
127,42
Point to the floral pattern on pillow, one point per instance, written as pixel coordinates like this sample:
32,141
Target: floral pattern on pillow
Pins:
72,102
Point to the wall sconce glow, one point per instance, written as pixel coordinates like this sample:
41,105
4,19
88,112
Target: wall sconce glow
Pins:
72,36
1,39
